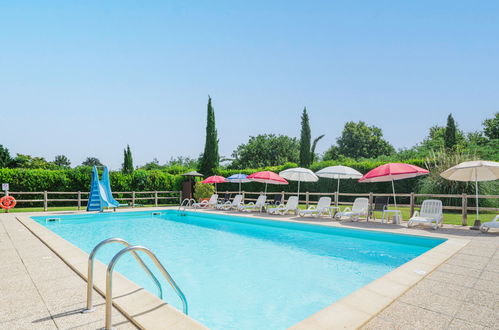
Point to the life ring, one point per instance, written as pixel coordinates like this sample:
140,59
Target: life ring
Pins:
7,202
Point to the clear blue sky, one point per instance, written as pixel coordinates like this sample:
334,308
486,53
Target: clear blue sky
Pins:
84,78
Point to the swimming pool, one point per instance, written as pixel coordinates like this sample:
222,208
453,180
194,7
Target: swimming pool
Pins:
245,272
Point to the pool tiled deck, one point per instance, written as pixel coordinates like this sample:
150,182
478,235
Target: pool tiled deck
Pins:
39,291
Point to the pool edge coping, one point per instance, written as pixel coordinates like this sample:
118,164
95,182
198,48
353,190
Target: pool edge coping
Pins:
350,312
142,308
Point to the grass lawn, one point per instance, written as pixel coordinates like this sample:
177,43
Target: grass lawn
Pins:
65,208
449,217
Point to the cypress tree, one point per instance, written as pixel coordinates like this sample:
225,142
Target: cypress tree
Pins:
305,140
127,160
450,139
210,159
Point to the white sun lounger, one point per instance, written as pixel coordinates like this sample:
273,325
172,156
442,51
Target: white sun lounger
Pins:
359,208
254,206
323,207
491,224
430,214
229,205
290,206
211,203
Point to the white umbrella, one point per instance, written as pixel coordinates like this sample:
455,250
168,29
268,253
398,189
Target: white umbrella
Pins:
299,174
339,172
477,170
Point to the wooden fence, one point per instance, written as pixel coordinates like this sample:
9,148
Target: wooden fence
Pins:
309,198
173,197
80,198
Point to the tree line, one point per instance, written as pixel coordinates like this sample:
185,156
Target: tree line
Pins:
358,141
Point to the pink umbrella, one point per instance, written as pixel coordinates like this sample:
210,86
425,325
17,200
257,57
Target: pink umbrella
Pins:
267,177
214,179
391,172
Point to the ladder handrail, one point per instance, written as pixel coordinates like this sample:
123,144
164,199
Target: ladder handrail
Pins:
187,202
109,280
90,274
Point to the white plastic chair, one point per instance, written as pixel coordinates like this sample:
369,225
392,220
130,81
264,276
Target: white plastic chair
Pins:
323,207
229,205
359,208
430,214
491,224
212,202
254,206
290,206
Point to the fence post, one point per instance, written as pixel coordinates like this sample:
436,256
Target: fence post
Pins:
464,210
282,197
156,198
370,206
412,204
45,201
337,198
244,195
79,200
306,199
133,198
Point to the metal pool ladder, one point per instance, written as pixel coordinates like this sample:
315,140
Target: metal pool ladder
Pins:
184,205
109,275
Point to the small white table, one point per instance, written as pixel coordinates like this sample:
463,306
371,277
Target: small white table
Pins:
396,215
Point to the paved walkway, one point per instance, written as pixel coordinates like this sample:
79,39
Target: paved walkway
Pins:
462,293
38,290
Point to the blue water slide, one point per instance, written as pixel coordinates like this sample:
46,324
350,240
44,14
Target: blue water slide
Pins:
100,192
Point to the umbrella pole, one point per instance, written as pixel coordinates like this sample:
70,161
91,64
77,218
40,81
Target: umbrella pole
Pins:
477,223
265,188
239,188
394,198
298,191
338,193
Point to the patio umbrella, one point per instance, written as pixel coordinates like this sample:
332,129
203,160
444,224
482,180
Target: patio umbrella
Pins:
339,172
238,178
392,172
299,174
214,179
478,170
267,177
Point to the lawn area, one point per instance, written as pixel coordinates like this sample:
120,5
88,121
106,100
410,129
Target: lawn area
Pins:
66,208
450,217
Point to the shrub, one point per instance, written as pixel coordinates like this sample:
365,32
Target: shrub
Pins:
203,190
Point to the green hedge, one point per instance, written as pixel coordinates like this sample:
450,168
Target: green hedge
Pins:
79,180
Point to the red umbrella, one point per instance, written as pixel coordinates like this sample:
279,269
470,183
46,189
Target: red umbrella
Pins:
391,172
214,179
267,177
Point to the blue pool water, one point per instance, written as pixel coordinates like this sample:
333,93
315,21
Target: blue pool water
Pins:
244,272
